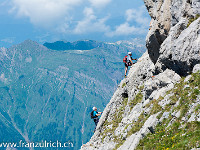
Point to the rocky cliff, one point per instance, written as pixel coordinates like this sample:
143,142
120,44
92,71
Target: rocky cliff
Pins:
158,105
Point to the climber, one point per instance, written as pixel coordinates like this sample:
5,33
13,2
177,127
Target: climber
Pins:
95,116
150,25
128,61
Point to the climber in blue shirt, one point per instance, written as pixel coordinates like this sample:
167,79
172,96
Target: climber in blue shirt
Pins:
95,115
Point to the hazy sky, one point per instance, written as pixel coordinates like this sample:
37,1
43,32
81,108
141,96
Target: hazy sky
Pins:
70,20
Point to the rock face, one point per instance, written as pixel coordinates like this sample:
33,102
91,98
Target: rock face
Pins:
173,39
156,99
181,50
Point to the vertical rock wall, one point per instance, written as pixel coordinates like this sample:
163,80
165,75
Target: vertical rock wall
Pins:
174,39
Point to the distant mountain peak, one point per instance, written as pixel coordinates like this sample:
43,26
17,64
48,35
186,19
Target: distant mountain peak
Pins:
77,45
92,44
28,41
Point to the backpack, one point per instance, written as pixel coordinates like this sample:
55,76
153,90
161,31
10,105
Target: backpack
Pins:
125,59
91,115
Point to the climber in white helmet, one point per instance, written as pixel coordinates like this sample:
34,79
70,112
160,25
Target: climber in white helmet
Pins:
95,116
128,61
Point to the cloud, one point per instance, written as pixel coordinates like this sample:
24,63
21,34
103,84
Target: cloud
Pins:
123,29
64,25
137,15
8,40
126,29
69,18
4,3
99,3
43,12
136,23
91,23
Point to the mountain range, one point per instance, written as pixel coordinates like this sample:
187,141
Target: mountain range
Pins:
48,91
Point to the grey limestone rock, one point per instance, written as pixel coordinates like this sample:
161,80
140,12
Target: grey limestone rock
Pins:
170,42
181,52
132,142
196,68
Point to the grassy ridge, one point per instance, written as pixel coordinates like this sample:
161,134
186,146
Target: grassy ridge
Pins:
176,132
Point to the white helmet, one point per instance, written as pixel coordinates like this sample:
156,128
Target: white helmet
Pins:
129,53
94,108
